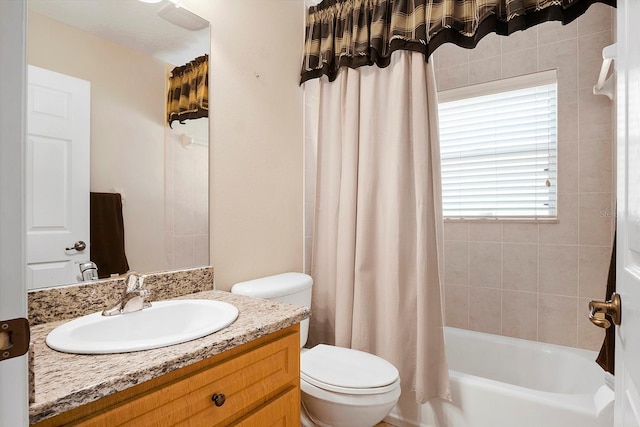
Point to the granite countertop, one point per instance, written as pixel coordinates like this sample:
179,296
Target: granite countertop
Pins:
65,381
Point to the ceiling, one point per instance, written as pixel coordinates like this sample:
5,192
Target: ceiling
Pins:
130,23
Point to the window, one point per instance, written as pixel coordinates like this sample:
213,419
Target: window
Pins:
498,149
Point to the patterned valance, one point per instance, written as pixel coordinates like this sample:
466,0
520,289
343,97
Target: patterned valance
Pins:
189,91
353,33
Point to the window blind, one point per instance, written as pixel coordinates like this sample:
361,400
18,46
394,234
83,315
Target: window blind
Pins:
499,150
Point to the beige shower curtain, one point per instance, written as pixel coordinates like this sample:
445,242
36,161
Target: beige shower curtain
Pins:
377,239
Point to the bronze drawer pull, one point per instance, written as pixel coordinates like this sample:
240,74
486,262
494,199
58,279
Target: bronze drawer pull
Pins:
218,399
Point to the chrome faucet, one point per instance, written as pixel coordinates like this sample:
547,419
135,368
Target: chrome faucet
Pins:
88,271
132,298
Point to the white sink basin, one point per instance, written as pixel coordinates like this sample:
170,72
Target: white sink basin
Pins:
164,323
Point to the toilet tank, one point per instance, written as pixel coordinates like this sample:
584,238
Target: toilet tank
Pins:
290,288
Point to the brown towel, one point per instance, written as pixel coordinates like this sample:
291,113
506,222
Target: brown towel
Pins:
107,234
606,358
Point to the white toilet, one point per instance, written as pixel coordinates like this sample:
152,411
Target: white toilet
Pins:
340,387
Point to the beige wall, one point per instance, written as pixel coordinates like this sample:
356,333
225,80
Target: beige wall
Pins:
256,137
528,280
127,126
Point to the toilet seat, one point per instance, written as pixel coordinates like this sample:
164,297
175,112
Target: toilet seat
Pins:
347,371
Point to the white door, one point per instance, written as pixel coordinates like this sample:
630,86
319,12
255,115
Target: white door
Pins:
57,177
627,369
13,301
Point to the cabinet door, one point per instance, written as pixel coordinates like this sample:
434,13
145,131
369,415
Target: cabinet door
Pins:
283,411
247,381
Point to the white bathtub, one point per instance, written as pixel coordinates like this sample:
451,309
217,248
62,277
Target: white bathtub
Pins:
506,382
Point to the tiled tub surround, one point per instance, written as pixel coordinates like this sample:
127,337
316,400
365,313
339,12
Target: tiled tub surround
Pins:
527,280
66,381
68,302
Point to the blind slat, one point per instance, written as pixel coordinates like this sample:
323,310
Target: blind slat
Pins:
498,154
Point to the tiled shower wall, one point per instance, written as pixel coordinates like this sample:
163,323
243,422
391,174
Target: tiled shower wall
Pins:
187,194
528,280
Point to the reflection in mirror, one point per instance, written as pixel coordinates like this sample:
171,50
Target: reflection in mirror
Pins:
96,123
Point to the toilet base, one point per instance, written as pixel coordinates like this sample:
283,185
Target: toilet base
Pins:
305,419
322,409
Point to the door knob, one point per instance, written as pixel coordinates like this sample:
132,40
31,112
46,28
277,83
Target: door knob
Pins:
611,308
78,246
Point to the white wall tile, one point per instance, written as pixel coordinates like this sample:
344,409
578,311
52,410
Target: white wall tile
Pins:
201,250
568,167
519,63
562,56
457,306
485,264
488,47
596,19
456,263
520,40
557,319
594,271
183,251
455,230
485,70
553,32
485,231
595,223
519,232
566,230
451,55
559,269
520,314
590,57
520,267
568,118
594,115
595,166
452,77
485,314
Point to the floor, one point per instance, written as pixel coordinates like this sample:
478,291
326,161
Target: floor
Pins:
383,424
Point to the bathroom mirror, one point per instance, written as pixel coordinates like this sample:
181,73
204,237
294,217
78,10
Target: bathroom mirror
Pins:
125,50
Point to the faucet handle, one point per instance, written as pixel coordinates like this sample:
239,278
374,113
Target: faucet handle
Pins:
133,282
133,298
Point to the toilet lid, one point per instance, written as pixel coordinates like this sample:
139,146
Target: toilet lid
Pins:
338,367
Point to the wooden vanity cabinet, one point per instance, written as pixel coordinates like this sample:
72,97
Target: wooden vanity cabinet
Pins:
255,384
